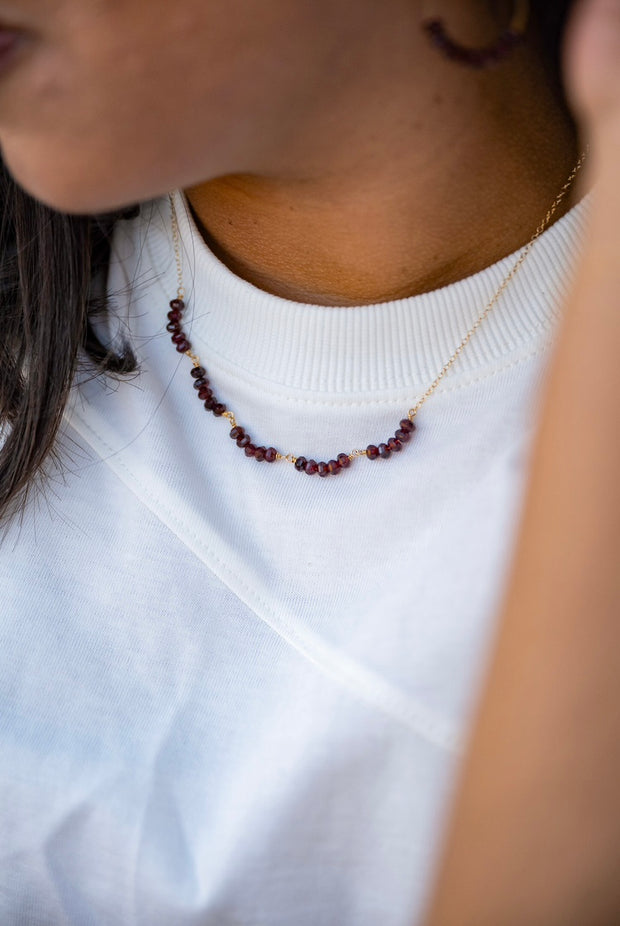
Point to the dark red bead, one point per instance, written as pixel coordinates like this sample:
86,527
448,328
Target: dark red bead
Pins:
471,56
271,455
205,392
219,410
505,43
200,382
260,454
236,432
198,372
407,425
434,27
372,452
384,451
243,441
183,346
177,305
173,327
343,460
210,401
322,469
174,316
395,445
300,464
403,436
311,467
334,467
250,450
177,337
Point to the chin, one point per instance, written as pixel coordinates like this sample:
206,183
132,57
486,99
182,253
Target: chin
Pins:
76,187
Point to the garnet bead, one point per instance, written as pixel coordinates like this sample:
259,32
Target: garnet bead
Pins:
173,327
300,464
205,392
177,337
322,469
198,372
236,432
177,305
395,445
243,441
403,436
259,454
183,346
174,316
219,409
311,467
407,425
198,383
250,450
343,460
372,452
271,455
210,401
334,467
384,451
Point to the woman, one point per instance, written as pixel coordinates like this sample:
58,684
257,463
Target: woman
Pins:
234,691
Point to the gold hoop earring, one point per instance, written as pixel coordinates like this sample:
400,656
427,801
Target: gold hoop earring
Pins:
490,55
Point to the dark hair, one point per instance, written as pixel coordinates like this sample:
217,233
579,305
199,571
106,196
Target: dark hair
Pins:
53,269
553,16
53,272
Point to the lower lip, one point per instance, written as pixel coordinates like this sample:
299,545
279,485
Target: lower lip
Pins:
10,43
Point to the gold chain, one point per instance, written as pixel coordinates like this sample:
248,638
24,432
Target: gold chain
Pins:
526,250
289,457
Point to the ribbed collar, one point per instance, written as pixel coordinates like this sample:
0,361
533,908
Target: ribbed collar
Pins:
360,349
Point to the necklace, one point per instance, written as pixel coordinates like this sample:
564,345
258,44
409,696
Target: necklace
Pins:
342,461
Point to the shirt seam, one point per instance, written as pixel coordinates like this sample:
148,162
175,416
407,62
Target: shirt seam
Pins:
362,683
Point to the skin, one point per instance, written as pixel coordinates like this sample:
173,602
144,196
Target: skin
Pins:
535,830
329,129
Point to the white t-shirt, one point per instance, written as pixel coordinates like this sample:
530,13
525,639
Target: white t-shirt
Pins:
232,693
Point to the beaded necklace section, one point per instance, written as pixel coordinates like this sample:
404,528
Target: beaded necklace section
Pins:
342,461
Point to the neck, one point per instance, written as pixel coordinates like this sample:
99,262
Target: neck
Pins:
445,173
